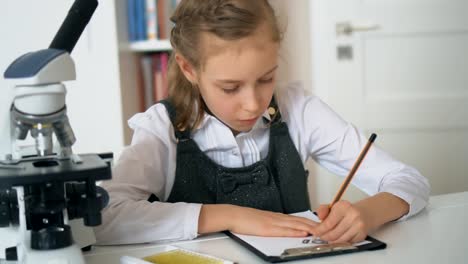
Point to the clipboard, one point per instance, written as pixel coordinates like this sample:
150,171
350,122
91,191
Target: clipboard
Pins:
300,248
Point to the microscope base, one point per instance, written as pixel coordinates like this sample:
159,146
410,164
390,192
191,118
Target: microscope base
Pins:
68,255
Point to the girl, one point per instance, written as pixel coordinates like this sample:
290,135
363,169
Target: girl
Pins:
224,153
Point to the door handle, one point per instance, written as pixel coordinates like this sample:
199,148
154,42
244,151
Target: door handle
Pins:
347,28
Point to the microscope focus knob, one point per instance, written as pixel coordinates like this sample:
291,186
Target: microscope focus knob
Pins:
9,212
4,209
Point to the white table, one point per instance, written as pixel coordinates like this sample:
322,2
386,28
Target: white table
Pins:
437,235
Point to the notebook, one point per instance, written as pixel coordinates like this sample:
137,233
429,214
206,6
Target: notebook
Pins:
280,249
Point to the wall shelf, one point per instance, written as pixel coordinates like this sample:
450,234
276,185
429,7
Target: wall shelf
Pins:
148,46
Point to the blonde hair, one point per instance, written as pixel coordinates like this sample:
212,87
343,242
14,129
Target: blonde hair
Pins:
226,19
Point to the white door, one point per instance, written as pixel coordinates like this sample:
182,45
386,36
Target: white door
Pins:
398,68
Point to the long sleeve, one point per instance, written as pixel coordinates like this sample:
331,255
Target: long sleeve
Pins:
144,169
335,144
148,166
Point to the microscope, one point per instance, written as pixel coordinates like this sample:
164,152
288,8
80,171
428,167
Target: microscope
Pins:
48,198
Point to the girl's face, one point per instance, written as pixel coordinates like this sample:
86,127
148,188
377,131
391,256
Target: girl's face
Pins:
237,82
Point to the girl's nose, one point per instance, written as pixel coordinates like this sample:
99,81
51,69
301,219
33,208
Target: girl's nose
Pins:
251,102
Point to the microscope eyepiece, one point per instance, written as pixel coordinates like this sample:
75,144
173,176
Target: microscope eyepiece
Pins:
72,27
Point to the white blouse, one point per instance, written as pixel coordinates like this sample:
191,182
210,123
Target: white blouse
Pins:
148,166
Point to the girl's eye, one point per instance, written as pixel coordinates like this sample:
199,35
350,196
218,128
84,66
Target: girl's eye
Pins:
230,90
266,80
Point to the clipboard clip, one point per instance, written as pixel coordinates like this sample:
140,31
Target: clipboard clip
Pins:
304,251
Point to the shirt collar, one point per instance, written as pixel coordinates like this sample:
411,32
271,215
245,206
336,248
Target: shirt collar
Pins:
207,118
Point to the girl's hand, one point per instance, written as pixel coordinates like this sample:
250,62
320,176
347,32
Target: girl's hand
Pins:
344,223
249,221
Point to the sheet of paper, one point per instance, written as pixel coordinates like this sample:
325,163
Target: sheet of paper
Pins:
274,246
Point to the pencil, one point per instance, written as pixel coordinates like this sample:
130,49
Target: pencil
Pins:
353,170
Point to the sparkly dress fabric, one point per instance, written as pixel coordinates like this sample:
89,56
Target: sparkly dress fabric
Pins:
276,183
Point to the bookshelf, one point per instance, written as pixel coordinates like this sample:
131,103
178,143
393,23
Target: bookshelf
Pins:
129,53
147,46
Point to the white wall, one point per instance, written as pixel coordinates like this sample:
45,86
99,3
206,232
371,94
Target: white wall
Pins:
295,49
300,53
93,100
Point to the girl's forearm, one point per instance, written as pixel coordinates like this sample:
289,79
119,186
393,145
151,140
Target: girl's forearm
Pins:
215,218
382,208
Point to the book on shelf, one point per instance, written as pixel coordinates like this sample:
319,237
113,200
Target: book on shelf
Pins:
149,19
157,77
141,19
140,89
153,73
131,20
147,73
164,69
162,19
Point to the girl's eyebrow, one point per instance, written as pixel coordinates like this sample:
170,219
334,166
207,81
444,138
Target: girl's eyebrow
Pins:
270,71
238,81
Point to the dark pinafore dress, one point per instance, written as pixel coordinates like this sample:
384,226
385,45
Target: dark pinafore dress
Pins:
276,183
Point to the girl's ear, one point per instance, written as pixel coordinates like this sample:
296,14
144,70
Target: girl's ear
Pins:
186,68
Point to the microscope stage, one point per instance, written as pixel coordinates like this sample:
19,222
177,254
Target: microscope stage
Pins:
33,171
